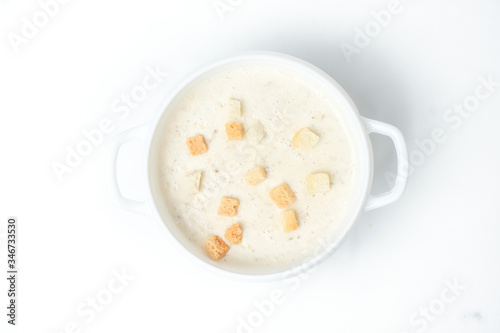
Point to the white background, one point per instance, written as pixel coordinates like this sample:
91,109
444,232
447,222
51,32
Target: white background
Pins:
72,236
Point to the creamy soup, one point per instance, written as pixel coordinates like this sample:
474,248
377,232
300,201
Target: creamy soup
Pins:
275,105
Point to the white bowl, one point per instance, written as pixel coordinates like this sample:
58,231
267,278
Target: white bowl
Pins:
359,128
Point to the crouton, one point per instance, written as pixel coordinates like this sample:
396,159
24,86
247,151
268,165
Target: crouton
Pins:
256,133
282,195
193,182
234,234
228,207
233,108
256,175
305,139
197,145
234,131
289,221
216,248
318,182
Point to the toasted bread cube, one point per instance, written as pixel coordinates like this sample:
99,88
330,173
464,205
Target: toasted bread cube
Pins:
282,195
216,248
197,145
256,175
256,133
234,234
318,182
228,207
193,182
289,221
305,139
233,108
234,131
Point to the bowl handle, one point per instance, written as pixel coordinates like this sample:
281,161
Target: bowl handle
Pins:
380,200
136,133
